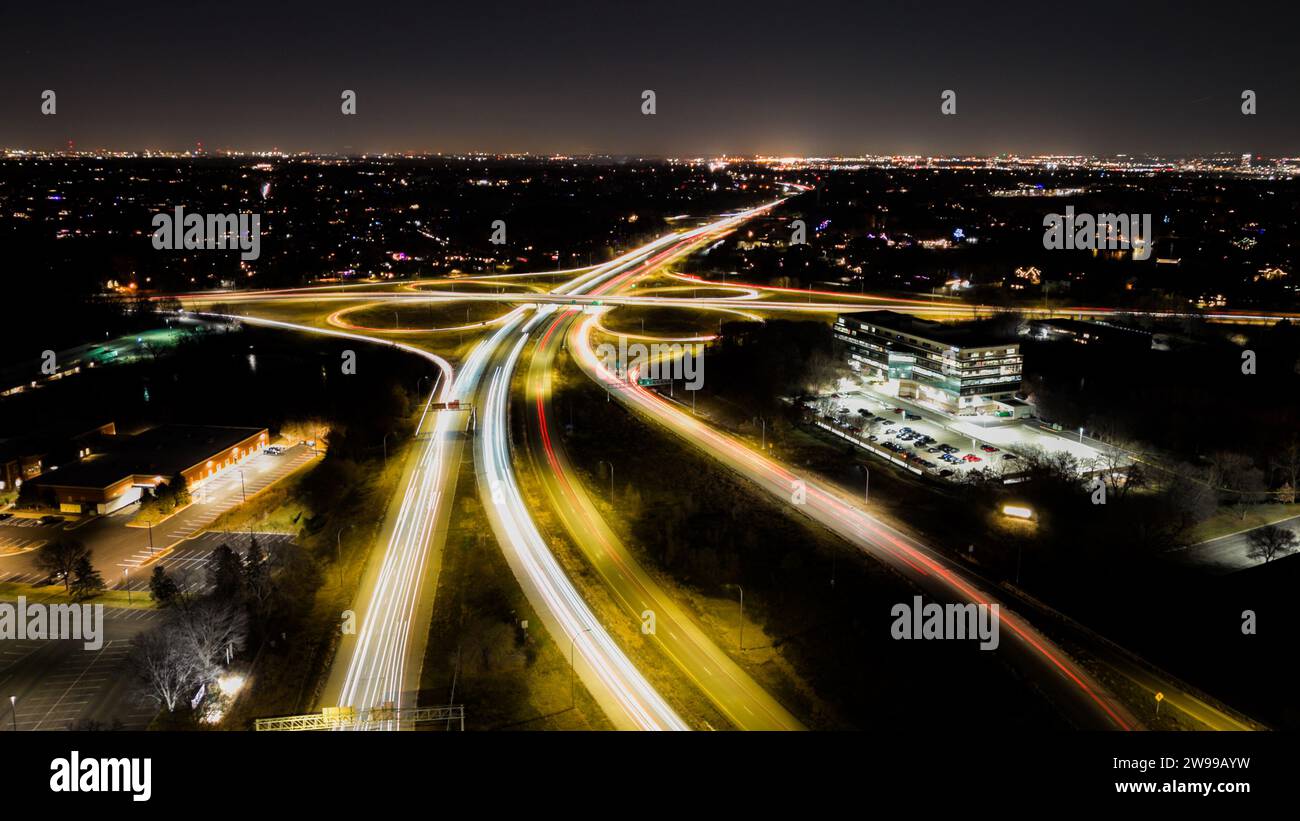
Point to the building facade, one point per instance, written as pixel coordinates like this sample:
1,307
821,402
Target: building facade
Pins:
958,370
133,465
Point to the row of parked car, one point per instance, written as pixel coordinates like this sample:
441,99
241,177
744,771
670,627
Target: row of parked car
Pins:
909,438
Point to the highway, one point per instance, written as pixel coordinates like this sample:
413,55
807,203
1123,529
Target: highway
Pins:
825,302
613,680
380,664
730,688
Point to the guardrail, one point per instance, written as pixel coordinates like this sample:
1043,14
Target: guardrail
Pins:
348,718
879,451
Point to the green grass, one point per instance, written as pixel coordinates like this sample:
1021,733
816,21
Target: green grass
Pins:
1227,520
55,594
426,315
508,678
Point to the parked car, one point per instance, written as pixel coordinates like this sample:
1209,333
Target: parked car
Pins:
51,519
988,449
1008,456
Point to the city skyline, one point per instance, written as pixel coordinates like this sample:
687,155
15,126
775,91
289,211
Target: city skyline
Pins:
747,80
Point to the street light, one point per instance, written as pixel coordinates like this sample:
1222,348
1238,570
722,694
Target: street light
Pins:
1081,436
573,693
611,479
126,582
242,492
742,613
386,435
338,552
13,711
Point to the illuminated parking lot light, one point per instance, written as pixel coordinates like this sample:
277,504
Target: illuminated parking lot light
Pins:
1017,511
230,684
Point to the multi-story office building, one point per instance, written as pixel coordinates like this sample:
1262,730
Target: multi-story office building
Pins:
956,369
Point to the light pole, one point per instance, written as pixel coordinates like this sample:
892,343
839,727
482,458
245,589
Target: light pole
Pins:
1081,436
610,465
150,538
742,613
386,435
338,552
866,493
242,492
13,711
126,582
764,421
573,693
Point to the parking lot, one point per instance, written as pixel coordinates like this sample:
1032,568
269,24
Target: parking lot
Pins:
59,685
928,442
13,542
188,562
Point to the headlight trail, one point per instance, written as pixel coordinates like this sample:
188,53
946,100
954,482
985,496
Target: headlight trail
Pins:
616,679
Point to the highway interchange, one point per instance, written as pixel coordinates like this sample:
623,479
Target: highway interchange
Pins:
381,664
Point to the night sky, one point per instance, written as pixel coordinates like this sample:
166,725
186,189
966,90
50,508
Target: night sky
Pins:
806,78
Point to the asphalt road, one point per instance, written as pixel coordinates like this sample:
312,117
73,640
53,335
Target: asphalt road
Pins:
1227,554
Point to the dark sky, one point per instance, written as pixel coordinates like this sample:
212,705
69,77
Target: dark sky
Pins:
793,77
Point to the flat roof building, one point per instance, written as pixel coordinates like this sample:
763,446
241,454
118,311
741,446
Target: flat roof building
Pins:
109,480
958,369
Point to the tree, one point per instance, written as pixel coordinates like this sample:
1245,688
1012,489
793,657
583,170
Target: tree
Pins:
1270,541
1287,463
162,587
86,580
225,573
59,559
210,629
165,667
1236,473
254,558
257,579
180,491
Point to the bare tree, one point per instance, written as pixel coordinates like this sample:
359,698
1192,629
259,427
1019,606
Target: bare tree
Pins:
1270,541
1287,462
209,628
1118,470
1237,474
165,666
